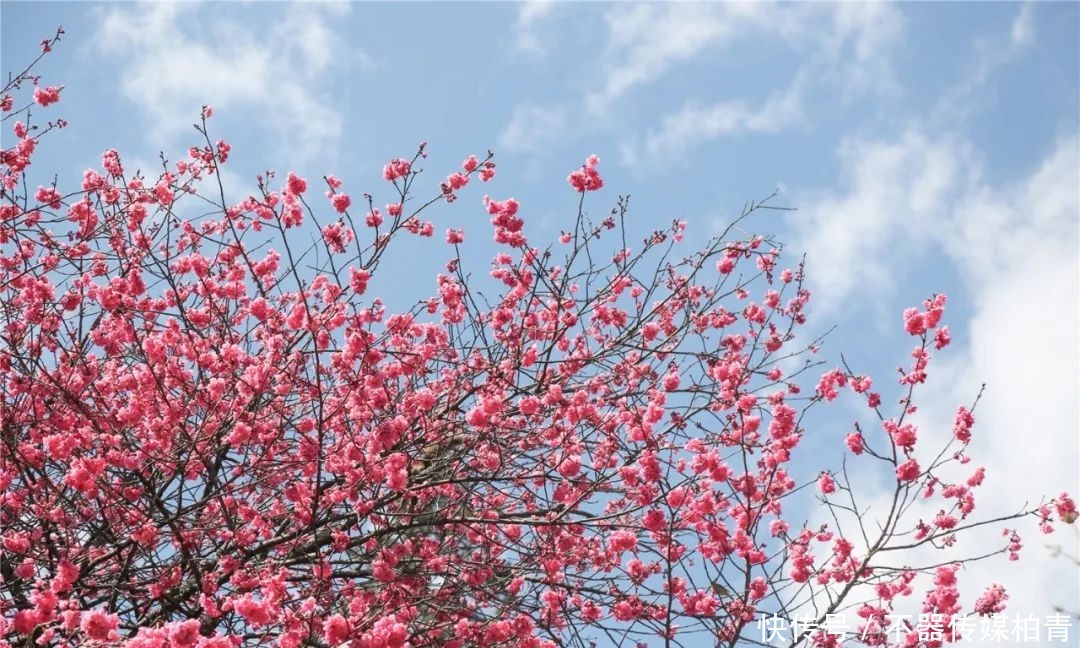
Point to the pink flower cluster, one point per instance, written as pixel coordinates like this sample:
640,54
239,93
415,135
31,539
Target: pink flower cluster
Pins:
587,178
47,96
396,169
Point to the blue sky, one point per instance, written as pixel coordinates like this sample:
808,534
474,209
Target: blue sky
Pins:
928,147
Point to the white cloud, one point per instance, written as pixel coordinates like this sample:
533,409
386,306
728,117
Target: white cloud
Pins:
858,43
531,128
920,199
645,40
680,131
903,193
991,53
1023,26
845,49
529,14
888,210
1016,249
173,59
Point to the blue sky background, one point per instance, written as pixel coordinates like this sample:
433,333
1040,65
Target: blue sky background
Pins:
928,147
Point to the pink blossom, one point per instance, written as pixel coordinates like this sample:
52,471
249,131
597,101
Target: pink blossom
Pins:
623,540
257,613
110,161
962,425
826,484
942,338
456,181
337,236
908,471
100,625
587,178
914,321
1015,544
16,542
1066,508
653,520
341,202
904,436
570,467
295,184
358,280
861,384
46,96
184,633
396,168
49,196
829,383
992,601
944,521
336,629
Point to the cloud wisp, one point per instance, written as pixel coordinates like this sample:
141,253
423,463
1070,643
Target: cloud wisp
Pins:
845,50
172,58
1016,250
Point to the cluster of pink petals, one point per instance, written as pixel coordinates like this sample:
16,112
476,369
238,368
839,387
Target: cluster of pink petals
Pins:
46,96
587,178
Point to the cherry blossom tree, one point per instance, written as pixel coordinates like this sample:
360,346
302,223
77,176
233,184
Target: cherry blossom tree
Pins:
214,434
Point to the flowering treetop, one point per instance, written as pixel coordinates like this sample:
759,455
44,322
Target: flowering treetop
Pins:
213,435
